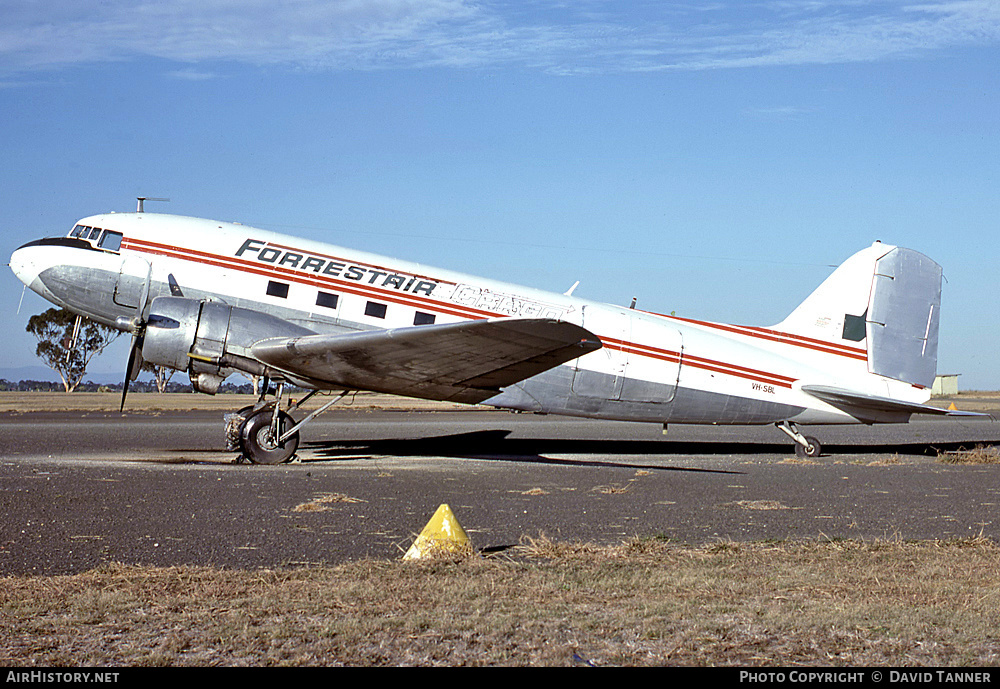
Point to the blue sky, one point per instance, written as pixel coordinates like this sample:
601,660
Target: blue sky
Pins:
712,159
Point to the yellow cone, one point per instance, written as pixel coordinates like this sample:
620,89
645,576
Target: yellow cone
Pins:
442,535
952,407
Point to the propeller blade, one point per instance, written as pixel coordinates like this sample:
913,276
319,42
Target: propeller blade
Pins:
128,373
144,296
138,330
135,361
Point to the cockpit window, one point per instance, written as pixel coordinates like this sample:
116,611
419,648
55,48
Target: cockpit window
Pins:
112,241
98,237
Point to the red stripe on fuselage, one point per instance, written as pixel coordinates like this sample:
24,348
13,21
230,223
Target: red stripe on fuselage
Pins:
699,362
272,271
783,338
298,276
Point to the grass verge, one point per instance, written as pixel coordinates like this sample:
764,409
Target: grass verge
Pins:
980,454
645,602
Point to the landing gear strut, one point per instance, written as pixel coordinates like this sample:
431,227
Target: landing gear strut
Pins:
805,445
263,433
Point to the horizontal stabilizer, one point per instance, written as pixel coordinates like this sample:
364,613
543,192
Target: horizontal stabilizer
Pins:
462,362
873,408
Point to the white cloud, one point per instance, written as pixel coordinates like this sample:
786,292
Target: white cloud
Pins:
192,75
578,37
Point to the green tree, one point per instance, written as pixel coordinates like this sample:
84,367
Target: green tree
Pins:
57,348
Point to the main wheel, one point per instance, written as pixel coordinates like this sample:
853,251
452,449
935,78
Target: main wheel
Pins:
813,449
258,443
234,428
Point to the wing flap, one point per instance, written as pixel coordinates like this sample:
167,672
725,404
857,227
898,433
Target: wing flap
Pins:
464,362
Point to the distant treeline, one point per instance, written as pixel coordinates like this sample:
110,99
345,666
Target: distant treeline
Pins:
90,386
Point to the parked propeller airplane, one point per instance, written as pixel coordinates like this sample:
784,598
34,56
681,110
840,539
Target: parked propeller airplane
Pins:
213,298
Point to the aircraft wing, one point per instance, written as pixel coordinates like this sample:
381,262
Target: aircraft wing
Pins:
874,408
462,362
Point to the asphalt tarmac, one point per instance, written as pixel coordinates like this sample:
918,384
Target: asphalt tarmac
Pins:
78,489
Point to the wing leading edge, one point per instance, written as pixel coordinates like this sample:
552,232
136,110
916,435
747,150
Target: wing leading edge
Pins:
461,362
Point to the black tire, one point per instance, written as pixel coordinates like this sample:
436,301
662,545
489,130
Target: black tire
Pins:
234,428
257,444
813,449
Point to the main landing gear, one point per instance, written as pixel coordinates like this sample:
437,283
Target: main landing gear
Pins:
263,433
805,445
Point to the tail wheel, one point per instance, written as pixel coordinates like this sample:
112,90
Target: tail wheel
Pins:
259,444
812,448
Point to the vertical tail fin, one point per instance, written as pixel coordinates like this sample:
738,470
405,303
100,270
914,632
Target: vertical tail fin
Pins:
886,299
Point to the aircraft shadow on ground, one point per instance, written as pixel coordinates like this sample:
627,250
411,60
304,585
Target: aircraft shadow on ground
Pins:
498,445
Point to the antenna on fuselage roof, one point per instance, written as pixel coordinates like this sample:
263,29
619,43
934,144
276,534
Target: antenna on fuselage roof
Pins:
141,199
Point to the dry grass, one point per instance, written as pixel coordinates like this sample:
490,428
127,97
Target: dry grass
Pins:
980,454
321,504
645,602
763,505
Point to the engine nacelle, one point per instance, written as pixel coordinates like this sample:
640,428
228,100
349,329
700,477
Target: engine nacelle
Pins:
209,339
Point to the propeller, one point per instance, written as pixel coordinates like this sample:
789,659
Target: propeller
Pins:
137,325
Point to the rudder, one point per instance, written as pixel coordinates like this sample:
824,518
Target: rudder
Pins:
885,299
903,317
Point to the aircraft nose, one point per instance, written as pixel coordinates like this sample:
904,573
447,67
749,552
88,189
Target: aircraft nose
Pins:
23,265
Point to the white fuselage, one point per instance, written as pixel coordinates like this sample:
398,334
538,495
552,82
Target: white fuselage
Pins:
651,367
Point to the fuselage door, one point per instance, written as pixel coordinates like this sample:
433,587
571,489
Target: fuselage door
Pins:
640,360
652,362
132,278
